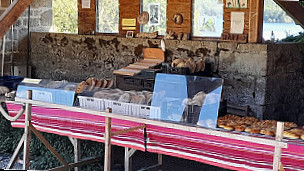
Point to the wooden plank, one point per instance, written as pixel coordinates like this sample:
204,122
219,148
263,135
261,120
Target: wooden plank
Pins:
27,133
124,131
183,7
293,9
256,12
86,18
154,53
79,164
164,124
278,150
16,152
107,157
48,145
11,14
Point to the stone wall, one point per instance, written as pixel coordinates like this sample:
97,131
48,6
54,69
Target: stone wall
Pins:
41,18
77,57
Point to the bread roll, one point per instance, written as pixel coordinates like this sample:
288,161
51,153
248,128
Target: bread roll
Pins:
191,64
124,98
290,135
227,127
181,64
109,83
240,128
81,87
302,137
176,62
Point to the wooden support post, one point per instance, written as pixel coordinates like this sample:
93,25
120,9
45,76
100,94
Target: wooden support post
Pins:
278,150
47,144
27,133
76,145
107,159
160,159
128,158
15,155
256,11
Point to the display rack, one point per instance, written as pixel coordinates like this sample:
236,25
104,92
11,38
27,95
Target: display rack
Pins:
278,144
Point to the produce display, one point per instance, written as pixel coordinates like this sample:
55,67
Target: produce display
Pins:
254,126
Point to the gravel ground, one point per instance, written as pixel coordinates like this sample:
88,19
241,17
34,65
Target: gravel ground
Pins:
4,160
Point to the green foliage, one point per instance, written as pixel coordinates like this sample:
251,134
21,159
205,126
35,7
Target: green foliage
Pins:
298,38
108,16
65,16
273,13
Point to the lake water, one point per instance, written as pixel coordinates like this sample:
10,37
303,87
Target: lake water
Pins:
280,30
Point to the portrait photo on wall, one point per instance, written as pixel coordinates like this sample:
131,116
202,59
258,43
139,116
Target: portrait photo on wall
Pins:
154,13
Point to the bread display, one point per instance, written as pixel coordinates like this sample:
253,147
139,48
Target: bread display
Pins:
254,126
194,66
94,84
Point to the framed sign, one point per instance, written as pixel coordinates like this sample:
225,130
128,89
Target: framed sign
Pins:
86,3
154,14
236,4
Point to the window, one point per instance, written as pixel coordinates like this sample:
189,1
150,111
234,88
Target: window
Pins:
107,16
277,21
65,16
207,18
157,16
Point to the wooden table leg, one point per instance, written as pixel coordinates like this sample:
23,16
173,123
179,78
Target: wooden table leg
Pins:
107,160
27,133
278,150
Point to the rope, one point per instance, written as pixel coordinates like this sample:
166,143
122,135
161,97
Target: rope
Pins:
8,117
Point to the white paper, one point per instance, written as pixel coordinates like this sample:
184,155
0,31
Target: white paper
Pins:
237,22
86,3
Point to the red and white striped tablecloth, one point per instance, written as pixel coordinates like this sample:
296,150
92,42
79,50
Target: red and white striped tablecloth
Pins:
216,151
80,125
222,152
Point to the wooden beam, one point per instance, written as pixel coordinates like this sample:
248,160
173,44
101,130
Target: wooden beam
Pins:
16,152
128,130
293,9
256,11
11,14
48,145
78,164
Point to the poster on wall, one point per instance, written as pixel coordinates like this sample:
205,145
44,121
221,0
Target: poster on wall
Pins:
86,4
237,22
236,3
154,13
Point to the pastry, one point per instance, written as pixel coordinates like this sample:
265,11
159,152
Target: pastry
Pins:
124,98
109,83
302,137
268,132
240,128
228,127
190,63
181,65
290,124
98,84
105,82
297,131
70,87
290,135
255,130
138,99
81,87
176,62
200,65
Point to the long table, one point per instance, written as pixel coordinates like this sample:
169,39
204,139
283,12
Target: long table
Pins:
225,152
